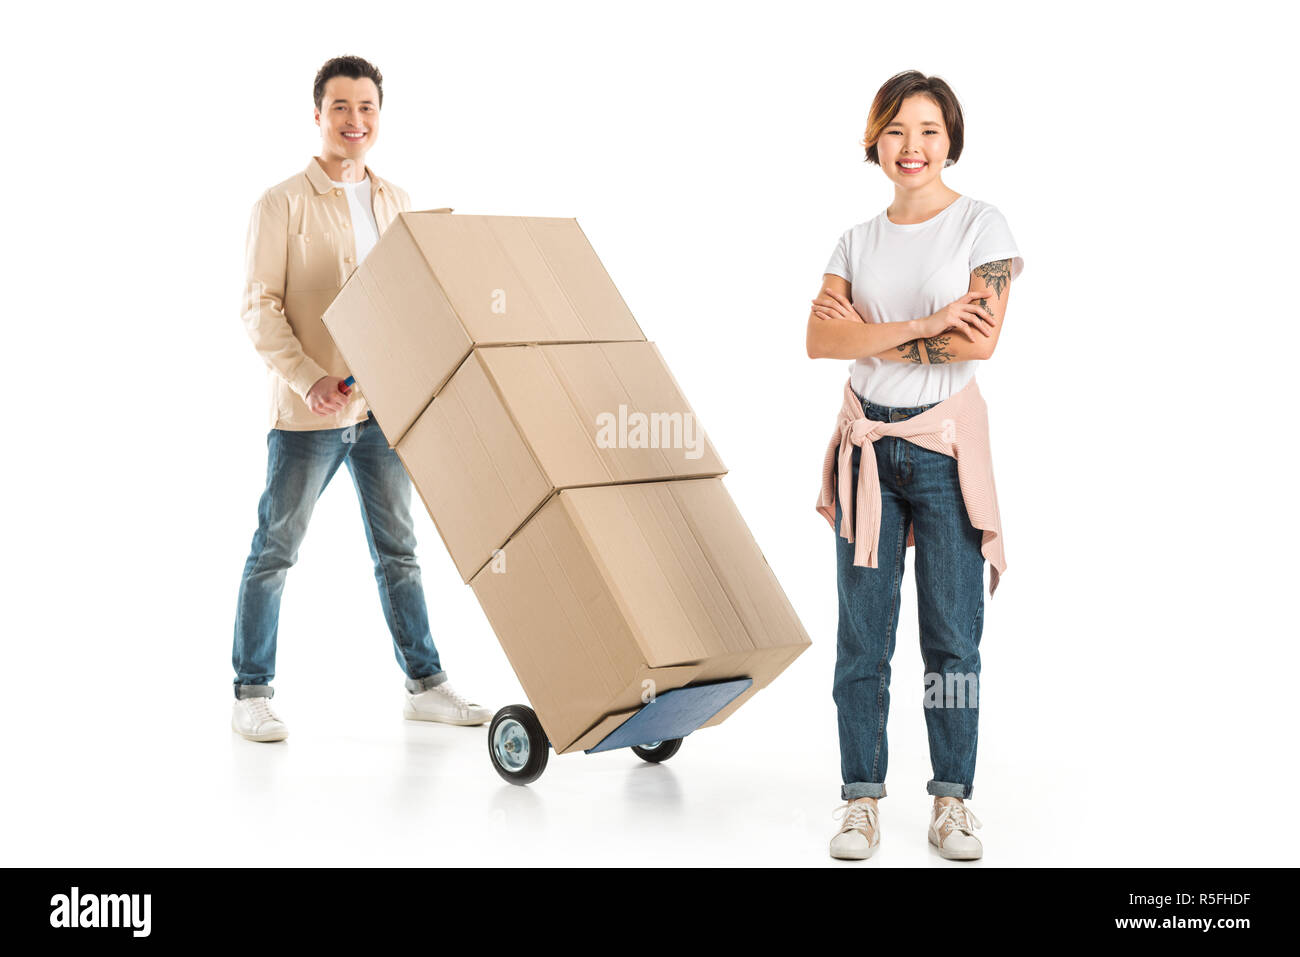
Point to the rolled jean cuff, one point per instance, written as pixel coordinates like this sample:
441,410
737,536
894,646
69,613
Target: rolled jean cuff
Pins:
416,685
948,789
253,691
862,789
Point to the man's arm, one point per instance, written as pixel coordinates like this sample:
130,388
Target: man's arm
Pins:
952,346
267,254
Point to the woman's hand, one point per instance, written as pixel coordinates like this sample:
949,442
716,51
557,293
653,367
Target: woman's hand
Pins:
831,305
963,315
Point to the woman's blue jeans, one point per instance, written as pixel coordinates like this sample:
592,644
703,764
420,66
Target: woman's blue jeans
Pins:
920,487
299,465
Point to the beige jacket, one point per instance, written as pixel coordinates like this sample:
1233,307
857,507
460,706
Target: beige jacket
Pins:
300,252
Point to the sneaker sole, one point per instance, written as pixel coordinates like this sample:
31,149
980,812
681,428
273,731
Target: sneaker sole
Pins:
416,716
954,855
270,736
856,856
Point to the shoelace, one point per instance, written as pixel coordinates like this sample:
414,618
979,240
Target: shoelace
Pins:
457,698
261,709
958,816
857,815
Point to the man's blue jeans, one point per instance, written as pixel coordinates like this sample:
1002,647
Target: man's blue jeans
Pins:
299,465
920,487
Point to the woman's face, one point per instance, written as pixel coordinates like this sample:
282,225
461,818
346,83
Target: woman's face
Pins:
915,135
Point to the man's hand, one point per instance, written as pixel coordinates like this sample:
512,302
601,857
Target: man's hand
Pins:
325,397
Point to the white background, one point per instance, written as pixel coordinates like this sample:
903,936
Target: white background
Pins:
1137,703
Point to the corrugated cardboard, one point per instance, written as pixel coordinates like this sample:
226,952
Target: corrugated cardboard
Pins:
515,423
437,284
607,588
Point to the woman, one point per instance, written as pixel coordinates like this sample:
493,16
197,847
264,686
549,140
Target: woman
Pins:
916,296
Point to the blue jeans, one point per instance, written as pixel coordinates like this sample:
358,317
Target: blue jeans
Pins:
299,466
921,488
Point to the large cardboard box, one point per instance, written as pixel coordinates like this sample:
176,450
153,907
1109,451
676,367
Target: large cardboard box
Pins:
515,423
436,285
519,393
613,591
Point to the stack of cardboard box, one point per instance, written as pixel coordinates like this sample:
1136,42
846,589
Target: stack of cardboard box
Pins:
562,466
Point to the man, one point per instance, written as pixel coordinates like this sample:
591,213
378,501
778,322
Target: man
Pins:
307,234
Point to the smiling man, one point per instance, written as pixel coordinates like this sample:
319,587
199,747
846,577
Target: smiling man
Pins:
306,236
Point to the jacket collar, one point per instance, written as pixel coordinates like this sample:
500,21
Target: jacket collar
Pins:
320,180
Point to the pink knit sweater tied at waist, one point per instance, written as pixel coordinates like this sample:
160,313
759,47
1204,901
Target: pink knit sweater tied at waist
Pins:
957,426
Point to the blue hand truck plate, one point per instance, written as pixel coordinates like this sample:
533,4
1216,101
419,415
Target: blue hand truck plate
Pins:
673,714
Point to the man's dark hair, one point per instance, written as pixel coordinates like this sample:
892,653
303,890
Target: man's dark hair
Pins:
350,66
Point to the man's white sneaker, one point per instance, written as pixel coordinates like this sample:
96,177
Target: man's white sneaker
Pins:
443,703
254,719
860,835
952,832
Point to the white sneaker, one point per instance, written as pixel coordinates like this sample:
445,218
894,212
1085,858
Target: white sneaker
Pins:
254,719
952,832
443,703
860,835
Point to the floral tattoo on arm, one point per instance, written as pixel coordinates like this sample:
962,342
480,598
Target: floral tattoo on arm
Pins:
996,275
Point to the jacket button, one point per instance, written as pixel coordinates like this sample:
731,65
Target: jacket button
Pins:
348,259
338,192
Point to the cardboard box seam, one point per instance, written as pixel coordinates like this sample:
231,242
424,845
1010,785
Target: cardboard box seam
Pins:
403,217
570,488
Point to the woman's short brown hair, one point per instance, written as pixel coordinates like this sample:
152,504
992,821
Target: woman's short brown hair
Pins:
889,99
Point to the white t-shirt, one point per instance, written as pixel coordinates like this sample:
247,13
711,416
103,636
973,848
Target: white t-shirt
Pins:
898,273
364,227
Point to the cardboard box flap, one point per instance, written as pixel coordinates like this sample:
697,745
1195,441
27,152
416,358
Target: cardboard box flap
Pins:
544,414
591,290
567,643
514,279
396,331
752,588
597,413
634,413
463,452
684,568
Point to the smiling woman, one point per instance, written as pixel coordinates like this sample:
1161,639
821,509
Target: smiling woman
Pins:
916,297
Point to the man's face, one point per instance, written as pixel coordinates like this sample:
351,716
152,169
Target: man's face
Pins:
348,117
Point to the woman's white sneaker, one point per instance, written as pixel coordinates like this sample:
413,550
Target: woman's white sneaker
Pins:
254,719
952,832
859,836
443,703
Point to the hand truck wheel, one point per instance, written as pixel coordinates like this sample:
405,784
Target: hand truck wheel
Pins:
517,744
657,751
